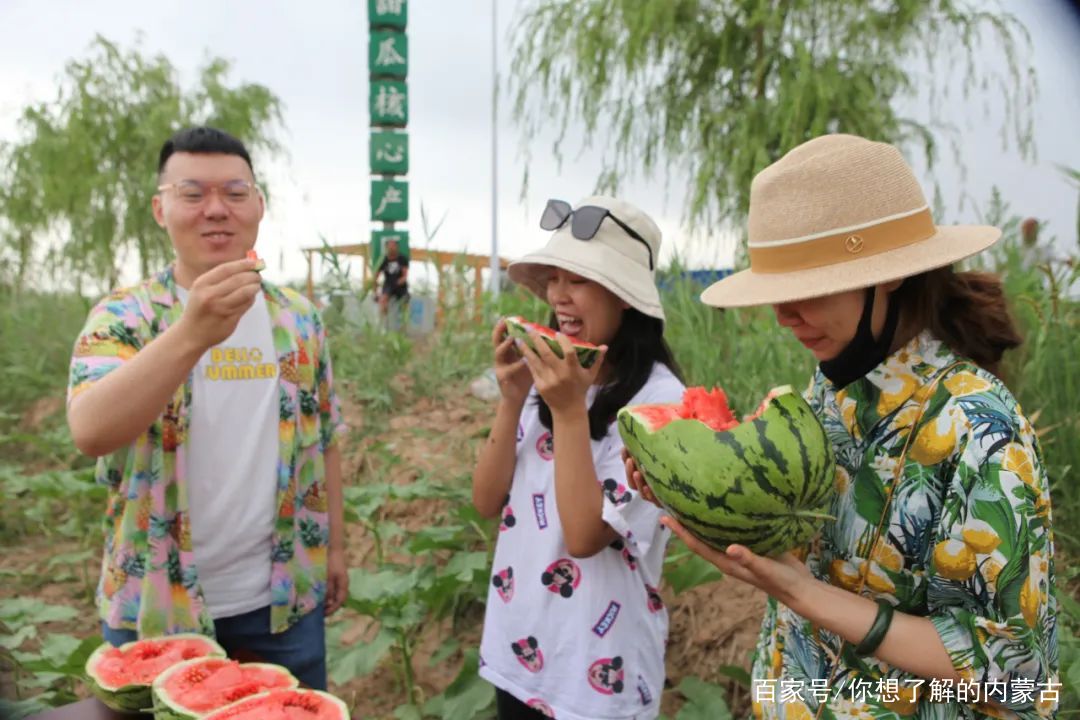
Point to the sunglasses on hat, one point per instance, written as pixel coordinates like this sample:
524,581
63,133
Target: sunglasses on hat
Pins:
585,222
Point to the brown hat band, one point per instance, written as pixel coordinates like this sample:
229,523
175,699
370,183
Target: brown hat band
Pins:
841,247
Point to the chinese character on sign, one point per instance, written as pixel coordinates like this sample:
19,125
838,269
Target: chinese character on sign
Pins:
390,102
387,13
388,54
392,196
389,153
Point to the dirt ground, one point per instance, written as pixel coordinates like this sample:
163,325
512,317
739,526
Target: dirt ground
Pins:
711,626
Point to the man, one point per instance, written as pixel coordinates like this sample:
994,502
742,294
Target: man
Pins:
395,271
206,393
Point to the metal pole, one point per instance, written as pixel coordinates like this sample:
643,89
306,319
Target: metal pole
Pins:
495,268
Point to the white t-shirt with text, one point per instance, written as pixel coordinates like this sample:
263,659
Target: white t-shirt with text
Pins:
232,456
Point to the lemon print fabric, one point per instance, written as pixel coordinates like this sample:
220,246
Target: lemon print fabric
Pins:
965,538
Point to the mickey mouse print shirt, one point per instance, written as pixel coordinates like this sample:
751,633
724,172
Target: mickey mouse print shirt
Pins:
578,638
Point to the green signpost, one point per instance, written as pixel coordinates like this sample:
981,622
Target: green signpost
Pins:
388,107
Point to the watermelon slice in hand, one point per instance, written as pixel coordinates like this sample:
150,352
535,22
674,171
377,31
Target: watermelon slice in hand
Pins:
191,689
121,676
260,264
766,483
519,327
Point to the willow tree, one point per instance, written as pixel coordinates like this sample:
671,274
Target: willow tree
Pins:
75,187
715,90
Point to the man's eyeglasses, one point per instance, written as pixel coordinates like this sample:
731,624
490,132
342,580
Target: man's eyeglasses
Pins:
193,192
585,222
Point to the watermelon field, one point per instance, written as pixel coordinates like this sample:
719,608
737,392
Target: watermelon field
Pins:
405,645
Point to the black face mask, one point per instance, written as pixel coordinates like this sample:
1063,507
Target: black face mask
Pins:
863,353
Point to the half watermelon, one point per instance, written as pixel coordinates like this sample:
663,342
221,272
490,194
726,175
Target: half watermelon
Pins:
519,327
121,676
193,688
767,482
284,705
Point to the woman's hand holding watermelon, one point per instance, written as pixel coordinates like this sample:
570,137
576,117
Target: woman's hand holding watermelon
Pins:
562,382
514,378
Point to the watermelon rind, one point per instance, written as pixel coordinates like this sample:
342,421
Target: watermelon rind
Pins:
767,483
135,697
166,708
273,696
517,326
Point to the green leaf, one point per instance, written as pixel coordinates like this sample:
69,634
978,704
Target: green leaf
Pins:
20,611
736,673
688,571
448,647
10,642
468,697
704,701
19,709
407,712
360,659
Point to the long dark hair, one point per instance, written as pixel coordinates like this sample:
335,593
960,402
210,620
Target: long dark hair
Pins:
638,345
965,310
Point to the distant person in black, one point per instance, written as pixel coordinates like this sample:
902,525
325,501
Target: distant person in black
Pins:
395,270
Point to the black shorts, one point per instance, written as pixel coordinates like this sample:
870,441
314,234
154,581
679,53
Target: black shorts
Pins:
396,293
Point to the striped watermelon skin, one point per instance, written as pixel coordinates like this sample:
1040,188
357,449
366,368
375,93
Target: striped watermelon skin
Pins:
767,483
519,327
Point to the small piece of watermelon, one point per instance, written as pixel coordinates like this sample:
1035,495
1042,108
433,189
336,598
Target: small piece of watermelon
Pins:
260,264
519,327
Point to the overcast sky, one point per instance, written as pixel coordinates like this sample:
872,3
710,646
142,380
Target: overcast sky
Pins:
313,55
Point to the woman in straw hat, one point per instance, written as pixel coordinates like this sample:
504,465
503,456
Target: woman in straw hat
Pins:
930,595
574,628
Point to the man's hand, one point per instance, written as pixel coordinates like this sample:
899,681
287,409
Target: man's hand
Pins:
337,580
217,301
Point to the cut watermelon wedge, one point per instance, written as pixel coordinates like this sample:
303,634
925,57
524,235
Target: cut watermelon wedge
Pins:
519,327
284,705
121,676
191,689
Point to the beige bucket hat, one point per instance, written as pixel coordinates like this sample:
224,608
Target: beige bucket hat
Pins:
612,257
839,213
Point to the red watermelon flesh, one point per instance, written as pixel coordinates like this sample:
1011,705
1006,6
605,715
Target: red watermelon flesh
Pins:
199,686
707,406
284,705
548,332
140,663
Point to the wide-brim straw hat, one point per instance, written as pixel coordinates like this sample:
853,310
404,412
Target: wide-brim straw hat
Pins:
611,258
839,213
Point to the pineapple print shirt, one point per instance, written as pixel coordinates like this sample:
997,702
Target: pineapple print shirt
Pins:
966,542
149,581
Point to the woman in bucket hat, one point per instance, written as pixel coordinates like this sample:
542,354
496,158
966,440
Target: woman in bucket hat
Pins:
931,594
572,627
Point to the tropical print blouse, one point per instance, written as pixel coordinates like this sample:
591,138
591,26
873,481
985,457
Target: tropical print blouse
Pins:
149,581
967,543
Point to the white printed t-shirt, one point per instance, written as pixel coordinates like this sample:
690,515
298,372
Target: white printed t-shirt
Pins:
232,457
578,638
